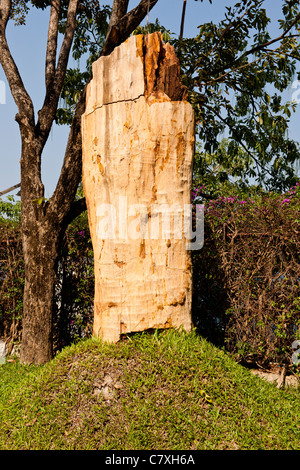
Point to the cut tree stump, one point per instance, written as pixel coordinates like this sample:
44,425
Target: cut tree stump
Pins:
138,145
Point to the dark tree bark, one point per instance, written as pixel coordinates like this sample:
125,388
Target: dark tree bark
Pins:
44,222
41,250
119,30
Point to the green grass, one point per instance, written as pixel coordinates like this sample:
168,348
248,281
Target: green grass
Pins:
168,390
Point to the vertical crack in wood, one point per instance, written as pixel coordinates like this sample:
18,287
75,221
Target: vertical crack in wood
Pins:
162,71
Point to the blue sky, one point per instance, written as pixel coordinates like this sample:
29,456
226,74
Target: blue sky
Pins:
28,44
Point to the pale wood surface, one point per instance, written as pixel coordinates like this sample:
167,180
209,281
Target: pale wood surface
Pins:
137,146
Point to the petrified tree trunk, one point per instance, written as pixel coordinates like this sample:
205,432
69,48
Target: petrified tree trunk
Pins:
138,146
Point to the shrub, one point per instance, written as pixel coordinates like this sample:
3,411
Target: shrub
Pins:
247,276
11,280
74,298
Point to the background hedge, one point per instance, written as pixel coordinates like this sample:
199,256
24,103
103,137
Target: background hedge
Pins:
246,278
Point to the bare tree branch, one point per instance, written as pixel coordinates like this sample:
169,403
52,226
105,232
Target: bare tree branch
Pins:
182,20
52,42
66,44
76,209
9,190
119,9
48,111
120,31
19,93
5,8
70,175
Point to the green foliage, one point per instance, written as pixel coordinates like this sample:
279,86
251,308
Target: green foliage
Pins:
224,172
74,83
19,10
167,390
10,209
247,276
231,72
152,28
90,34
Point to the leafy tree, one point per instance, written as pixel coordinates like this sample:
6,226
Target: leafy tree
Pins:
220,173
236,73
44,221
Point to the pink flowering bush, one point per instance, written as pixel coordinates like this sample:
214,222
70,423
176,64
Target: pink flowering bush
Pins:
247,276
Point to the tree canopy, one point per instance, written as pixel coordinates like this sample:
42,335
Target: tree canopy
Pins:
236,74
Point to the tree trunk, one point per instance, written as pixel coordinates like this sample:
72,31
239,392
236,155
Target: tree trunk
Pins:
40,238
44,223
138,146
41,252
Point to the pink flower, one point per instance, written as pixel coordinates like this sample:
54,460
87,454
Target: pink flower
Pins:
285,201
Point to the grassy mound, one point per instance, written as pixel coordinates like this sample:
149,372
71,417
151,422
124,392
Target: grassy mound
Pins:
168,390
